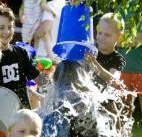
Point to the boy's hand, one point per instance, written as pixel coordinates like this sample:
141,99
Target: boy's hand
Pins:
90,57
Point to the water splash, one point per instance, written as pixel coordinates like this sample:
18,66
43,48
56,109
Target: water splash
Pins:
74,106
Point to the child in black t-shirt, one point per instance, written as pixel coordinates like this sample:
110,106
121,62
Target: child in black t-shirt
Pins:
15,65
108,62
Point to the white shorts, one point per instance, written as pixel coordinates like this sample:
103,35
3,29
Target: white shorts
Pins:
48,15
56,6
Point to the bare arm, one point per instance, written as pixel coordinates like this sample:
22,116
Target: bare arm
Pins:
37,95
107,76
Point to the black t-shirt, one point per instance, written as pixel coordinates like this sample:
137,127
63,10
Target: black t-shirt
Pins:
114,60
15,69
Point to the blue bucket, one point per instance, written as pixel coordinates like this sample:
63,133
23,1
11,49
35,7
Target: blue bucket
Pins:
75,34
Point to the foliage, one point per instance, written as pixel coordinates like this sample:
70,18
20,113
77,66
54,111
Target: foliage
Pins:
130,10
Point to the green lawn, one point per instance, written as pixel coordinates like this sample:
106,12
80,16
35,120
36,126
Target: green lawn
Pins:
137,128
137,132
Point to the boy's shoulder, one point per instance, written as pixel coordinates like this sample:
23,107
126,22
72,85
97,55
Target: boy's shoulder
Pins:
19,50
118,56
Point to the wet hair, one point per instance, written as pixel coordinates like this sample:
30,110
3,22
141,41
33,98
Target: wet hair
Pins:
6,12
115,20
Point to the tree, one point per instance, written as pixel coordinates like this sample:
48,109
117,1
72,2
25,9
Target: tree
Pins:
130,10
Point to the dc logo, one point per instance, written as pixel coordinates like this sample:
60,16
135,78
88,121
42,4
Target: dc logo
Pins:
10,73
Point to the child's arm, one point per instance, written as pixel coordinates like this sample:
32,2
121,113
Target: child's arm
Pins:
108,76
37,95
36,99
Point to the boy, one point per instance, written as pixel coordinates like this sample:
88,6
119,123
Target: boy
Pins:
108,63
25,123
15,65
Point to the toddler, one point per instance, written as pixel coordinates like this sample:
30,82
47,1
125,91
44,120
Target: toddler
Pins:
25,123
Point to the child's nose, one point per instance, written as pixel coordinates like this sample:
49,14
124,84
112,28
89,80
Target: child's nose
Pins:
102,37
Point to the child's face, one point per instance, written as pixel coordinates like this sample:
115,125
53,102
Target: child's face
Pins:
25,128
106,37
6,30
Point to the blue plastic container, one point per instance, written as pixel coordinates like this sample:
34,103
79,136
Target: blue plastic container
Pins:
75,34
30,50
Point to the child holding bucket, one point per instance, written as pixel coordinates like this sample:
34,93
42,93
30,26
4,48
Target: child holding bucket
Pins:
70,77
43,36
47,30
30,14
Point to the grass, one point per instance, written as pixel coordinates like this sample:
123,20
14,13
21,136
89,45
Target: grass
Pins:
137,128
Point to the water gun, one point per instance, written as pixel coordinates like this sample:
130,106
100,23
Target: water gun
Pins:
44,64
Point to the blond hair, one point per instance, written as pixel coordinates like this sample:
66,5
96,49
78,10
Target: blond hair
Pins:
25,114
6,12
115,20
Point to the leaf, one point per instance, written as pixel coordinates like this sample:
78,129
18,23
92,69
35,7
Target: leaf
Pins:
87,26
82,18
130,10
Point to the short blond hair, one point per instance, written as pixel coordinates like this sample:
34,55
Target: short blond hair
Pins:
25,114
6,12
115,20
